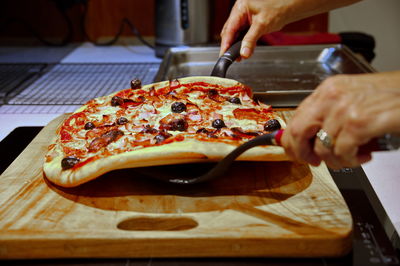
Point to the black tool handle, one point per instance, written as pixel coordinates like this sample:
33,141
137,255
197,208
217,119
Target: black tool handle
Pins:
387,142
226,60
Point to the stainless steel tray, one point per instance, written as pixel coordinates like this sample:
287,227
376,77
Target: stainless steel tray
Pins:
279,75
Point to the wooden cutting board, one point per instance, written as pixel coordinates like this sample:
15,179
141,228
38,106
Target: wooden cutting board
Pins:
257,209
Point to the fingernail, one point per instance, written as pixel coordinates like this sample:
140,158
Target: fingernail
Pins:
245,52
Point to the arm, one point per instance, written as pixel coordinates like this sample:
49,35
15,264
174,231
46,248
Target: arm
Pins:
353,109
265,16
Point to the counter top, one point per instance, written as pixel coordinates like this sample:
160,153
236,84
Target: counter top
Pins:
382,172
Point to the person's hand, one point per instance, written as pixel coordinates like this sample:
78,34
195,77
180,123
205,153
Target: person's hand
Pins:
265,16
262,16
352,109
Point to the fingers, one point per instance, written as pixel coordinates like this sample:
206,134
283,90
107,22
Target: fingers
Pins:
351,109
237,20
298,138
299,146
330,108
332,125
250,39
228,36
243,15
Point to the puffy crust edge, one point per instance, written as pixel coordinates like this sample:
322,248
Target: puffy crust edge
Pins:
173,153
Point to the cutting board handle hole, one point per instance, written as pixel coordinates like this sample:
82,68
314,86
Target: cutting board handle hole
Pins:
144,223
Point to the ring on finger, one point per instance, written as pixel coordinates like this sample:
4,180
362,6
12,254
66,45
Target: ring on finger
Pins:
327,140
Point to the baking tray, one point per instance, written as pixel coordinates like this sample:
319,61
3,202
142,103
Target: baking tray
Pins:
279,75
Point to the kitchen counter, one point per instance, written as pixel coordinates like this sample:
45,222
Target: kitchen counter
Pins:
382,172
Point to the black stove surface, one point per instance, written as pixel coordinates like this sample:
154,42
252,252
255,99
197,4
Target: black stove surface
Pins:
371,243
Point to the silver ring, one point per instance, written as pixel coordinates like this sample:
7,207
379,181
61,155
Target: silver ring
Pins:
326,140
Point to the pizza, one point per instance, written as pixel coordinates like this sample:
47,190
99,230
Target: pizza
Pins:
196,119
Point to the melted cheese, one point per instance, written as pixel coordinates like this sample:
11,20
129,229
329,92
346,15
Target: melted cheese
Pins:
146,113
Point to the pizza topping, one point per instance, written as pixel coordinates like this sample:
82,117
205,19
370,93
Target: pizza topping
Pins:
174,83
178,125
129,102
272,125
215,96
104,140
243,134
208,133
162,136
234,100
202,130
174,122
149,129
65,136
89,125
178,107
252,114
218,123
136,84
122,120
69,162
116,101
212,135
140,117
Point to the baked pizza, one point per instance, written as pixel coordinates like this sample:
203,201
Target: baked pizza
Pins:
197,119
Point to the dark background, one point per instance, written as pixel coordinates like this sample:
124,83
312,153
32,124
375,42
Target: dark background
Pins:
58,22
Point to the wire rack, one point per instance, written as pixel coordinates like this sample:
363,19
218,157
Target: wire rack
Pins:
71,84
15,75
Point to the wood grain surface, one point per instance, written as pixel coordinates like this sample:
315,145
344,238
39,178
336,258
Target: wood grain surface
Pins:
257,209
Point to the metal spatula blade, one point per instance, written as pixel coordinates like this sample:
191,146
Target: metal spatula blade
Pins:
169,174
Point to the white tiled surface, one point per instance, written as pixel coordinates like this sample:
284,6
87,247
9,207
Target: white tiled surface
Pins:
89,53
384,174
9,122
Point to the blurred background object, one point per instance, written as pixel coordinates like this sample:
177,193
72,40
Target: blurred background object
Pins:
104,22
24,22
181,22
380,19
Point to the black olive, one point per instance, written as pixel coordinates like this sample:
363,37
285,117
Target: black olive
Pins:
178,107
218,123
122,120
69,162
136,84
235,100
212,93
115,101
272,125
179,125
89,125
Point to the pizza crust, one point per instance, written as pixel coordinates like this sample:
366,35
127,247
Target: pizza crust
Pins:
186,151
173,153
